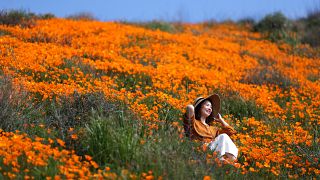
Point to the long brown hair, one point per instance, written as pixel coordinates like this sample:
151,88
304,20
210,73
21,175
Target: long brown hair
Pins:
197,113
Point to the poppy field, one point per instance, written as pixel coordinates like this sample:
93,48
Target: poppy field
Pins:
105,100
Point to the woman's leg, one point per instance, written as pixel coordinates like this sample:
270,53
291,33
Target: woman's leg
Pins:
225,147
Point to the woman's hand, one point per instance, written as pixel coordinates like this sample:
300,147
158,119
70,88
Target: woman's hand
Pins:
218,118
221,120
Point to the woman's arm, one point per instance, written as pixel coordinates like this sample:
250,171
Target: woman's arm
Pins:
187,120
226,128
222,121
190,111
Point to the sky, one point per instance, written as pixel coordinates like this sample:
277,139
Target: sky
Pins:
166,10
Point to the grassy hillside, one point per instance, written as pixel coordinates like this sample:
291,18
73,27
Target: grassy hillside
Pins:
110,97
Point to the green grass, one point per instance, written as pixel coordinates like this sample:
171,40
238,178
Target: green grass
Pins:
232,103
17,110
83,16
23,18
121,142
159,25
115,137
3,32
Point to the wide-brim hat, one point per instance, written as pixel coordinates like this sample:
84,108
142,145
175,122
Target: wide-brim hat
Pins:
215,101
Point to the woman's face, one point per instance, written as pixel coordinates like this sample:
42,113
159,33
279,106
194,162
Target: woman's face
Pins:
206,109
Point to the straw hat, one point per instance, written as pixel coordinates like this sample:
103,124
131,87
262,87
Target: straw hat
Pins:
215,101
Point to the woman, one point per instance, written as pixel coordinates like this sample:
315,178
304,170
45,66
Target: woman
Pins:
198,120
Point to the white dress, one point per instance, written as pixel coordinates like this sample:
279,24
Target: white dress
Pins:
223,144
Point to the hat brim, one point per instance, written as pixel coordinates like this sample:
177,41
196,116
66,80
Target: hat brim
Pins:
215,102
216,105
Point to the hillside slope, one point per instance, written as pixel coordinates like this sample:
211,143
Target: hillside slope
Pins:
270,92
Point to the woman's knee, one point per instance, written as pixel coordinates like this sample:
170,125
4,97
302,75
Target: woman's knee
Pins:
224,136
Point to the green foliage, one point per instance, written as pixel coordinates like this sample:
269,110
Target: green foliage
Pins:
272,22
83,16
235,105
313,19
311,33
313,77
275,27
246,22
168,114
46,16
76,65
210,23
16,17
267,74
131,82
3,32
121,141
21,17
60,114
113,139
140,41
278,28
159,25
73,111
17,111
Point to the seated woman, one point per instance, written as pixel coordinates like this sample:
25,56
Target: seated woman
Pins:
198,126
